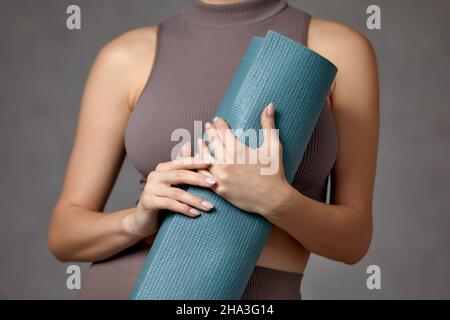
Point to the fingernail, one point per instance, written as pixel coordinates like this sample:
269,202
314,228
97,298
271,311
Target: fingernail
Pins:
194,212
215,118
207,125
207,204
210,180
271,110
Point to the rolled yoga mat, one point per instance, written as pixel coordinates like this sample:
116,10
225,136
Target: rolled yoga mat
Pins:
212,257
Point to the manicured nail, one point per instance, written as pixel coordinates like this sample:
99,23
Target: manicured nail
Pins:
194,211
215,118
207,204
207,125
210,180
271,110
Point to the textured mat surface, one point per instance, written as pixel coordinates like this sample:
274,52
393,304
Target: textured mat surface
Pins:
213,256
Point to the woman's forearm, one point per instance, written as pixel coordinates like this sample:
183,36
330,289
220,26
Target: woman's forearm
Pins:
337,232
77,234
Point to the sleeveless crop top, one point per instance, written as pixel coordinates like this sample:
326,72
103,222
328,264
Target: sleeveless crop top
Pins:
197,53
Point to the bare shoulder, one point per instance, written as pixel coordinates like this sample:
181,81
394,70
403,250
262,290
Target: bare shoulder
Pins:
347,48
133,44
129,58
338,42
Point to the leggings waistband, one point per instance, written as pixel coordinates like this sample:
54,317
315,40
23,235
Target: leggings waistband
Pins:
270,284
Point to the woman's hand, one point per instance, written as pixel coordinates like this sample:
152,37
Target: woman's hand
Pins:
251,179
161,191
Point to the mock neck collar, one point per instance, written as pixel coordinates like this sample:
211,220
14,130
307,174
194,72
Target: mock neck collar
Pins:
232,14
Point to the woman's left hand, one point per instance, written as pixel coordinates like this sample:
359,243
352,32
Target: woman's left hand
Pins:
252,179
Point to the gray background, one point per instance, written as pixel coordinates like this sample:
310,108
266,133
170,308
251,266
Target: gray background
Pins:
43,68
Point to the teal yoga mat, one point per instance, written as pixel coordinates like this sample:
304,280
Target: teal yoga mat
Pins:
212,257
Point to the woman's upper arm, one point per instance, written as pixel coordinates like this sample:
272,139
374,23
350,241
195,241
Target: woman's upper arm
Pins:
116,79
355,106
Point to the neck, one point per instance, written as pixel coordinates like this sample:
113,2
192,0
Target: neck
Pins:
219,2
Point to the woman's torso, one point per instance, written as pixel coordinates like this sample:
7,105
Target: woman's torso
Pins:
197,53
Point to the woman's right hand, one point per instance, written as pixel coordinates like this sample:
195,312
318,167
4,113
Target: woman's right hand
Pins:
162,192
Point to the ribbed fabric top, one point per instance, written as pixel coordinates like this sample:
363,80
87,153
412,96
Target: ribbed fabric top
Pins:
198,51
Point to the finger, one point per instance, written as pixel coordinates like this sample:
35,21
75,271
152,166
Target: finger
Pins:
176,206
203,151
268,117
215,143
185,150
270,134
229,140
221,127
177,177
186,163
206,173
185,197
